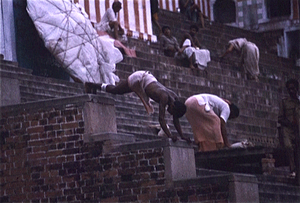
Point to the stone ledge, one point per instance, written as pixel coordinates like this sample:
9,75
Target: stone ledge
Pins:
57,102
240,187
158,143
102,137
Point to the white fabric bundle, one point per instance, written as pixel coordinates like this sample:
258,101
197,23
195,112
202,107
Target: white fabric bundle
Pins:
202,56
73,41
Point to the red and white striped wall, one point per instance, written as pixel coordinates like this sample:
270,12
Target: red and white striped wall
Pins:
172,5
135,16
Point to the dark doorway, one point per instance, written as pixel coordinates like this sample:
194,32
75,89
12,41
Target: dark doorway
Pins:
224,11
31,52
293,44
278,8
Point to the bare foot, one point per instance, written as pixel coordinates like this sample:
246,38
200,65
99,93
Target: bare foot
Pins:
192,67
174,138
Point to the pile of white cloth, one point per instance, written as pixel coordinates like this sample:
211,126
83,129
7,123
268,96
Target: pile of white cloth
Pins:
69,35
202,56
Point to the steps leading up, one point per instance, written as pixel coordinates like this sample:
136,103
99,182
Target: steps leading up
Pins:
276,189
258,102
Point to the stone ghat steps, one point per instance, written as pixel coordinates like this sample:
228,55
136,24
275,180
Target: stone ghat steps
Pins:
176,80
214,32
277,189
185,84
131,113
270,188
10,66
34,88
258,121
271,66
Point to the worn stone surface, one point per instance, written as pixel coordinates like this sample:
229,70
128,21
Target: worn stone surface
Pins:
9,91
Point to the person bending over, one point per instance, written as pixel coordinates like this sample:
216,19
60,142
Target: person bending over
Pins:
208,114
146,86
249,60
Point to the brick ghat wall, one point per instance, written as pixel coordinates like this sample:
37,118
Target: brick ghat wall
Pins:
258,102
44,158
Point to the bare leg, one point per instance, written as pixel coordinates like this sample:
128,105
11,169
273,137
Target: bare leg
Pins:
121,88
114,25
201,16
219,145
226,142
191,61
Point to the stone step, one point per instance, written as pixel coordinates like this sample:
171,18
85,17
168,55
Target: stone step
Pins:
216,30
278,189
268,70
10,66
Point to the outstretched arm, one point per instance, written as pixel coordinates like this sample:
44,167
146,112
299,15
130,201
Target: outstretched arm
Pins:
178,128
162,121
230,49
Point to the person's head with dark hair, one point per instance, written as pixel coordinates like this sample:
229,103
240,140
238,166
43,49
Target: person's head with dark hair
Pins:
292,86
164,28
234,111
194,26
117,6
179,109
193,30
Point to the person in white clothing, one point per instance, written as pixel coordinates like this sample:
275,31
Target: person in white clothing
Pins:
208,114
192,50
109,22
249,56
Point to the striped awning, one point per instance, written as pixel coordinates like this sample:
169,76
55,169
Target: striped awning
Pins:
173,5
135,16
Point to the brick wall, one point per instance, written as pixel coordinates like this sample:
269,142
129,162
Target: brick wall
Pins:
44,159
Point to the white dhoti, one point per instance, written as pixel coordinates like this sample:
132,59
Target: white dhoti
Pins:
138,81
202,56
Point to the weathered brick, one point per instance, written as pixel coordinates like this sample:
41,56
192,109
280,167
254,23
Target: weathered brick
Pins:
69,112
145,169
129,198
144,163
72,191
69,125
37,129
73,138
90,189
70,151
126,158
